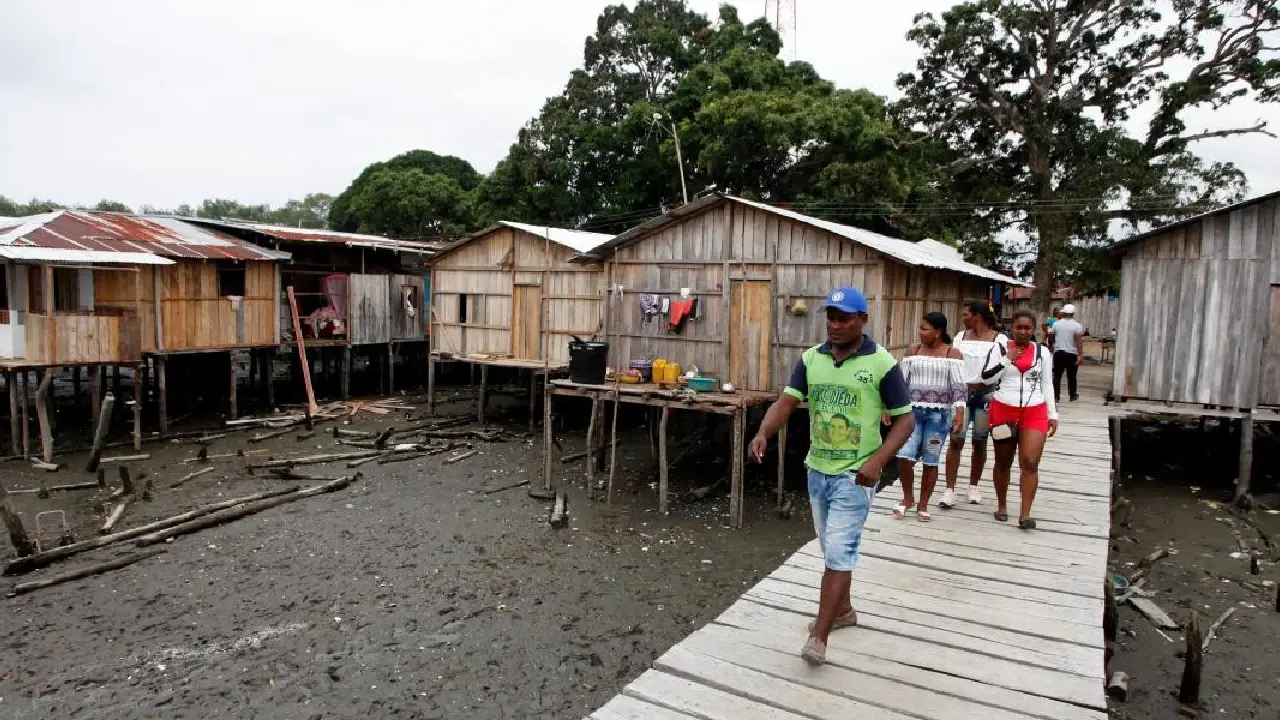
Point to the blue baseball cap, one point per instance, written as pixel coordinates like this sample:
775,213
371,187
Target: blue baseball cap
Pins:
847,299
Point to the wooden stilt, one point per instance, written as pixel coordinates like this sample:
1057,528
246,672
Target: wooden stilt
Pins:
663,470
162,399
26,416
782,464
51,404
533,397
22,544
42,414
613,447
253,368
547,441
115,378
484,389
391,369
1189,691
591,446
75,383
139,390
735,478
269,376
95,390
234,405
345,382
431,387
1246,457
15,430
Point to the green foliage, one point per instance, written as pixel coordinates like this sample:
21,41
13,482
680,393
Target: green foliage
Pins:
408,202
112,206
11,208
342,215
1035,97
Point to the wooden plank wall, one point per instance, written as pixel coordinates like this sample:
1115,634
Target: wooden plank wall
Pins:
369,305
1098,314
402,325
194,316
1195,312
486,270
81,339
914,291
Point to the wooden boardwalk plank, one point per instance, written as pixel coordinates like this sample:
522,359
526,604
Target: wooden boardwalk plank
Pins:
963,617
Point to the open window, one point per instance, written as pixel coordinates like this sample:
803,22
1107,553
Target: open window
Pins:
462,309
231,280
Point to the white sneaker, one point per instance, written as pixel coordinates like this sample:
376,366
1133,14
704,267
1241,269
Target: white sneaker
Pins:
948,499
975,497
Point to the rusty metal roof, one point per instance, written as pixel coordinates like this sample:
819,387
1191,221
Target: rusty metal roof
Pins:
287,234
78,231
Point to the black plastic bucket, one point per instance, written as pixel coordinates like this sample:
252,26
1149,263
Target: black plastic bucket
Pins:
587,361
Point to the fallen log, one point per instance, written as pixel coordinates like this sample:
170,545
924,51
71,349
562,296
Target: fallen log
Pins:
206,457
114,517
541,494
100,432
313,459
190,476
495,436
242,510
504,488
13,524
44,559
397,457
206,439
125,458
84,572
460,458
57,488
267,436
1213,629
559,511
46,466
305,435
288,474
1118,686
1158,617
383,437
339,432
573,456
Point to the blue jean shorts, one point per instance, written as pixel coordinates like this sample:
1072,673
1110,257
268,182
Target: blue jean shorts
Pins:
840,508
930,436
975,418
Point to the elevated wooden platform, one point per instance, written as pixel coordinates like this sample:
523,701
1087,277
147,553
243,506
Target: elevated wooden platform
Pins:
963,617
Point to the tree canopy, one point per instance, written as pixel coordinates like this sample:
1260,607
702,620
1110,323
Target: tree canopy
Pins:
424,184
1041,100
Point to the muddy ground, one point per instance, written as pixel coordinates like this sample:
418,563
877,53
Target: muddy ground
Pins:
1181,491
410,594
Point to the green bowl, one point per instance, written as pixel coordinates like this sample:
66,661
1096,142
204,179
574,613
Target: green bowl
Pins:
703,384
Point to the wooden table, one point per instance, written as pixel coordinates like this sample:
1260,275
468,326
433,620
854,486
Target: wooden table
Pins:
733,404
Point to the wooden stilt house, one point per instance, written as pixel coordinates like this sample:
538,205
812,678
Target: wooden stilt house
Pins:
758,274
510,296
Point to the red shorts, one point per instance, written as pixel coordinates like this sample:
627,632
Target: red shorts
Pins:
1032,417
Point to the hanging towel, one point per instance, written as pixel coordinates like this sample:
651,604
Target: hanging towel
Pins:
681,310
666,306
648,306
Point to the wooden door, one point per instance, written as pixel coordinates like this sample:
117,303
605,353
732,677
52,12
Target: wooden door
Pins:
750,334
526,322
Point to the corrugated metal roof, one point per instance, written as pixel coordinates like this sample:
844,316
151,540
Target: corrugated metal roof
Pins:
579,240
930,253
120,232
79,257
285,233
1193,219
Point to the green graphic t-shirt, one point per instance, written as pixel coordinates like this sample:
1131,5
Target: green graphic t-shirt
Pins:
846,400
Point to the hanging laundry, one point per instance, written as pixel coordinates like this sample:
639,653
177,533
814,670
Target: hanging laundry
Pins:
666,306
681,311
648,306
697,310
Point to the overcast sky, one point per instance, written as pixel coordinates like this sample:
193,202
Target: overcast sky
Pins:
164,102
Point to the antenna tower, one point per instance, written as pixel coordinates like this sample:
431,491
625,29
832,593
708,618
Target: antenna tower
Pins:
782,14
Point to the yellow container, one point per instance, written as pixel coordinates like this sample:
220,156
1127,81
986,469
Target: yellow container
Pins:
659,370
673,373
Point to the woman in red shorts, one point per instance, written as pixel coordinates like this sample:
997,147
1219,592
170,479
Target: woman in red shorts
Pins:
1023,412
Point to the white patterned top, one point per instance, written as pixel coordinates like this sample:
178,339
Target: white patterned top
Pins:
935,381
975,353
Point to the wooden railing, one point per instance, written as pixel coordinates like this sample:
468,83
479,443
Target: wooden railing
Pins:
83,339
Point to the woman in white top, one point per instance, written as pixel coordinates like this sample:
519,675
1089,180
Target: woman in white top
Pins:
934,373
1022,414
974,343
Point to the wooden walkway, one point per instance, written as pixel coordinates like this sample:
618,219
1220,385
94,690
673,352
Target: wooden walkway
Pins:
960,618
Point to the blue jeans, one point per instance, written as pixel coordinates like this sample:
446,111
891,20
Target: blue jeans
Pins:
975,417
927,440
840,508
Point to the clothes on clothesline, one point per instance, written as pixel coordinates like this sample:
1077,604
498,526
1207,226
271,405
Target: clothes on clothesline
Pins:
681,311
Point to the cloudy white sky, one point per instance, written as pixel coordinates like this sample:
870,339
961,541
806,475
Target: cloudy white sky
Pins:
165,102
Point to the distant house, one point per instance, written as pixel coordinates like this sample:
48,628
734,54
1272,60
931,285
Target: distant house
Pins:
758,274
1099,313
1200,309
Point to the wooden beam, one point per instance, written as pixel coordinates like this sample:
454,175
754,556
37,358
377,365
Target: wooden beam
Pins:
735,477
663,469
157,297
302,352
162,392
15,430
548,439
1245,473
42,413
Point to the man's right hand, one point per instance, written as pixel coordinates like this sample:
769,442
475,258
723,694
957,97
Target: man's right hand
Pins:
756,450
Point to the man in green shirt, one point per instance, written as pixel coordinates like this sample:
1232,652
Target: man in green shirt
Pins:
849,383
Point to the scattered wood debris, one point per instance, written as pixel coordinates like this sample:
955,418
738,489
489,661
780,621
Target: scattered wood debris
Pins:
89,571
1157,616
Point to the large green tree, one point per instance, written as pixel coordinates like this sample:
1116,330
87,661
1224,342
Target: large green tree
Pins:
603,153
459,173
409,203
1041,100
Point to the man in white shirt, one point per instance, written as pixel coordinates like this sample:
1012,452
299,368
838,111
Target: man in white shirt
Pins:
1066,337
